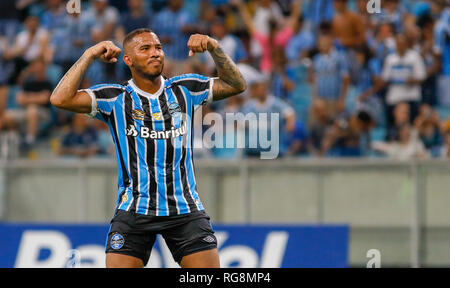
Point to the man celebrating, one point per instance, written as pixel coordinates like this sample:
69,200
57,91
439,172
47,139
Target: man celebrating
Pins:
150,119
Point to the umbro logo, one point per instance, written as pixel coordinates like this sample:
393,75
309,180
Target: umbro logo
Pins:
209,239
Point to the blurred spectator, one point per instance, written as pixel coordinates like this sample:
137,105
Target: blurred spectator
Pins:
408,145
260,35
319,122
348,27
401,117
105,19
442,37
30,44
384,42
320,11
282,77
349,32
9,135
413,36
55,15
271,35
297,140
136,17
365,17
206,15
102,19
230,44
429,128
391,13
403,72
431,58
9,139
82,139
25,8
290,26
157,5
6,70
329,76
343,139
368,82
266,11
262,102
33,99
173,25
445,149
285,33
71,40
302,41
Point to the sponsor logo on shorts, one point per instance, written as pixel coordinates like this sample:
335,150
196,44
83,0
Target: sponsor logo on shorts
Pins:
117,241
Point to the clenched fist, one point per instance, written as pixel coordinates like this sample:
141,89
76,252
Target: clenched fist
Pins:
199,43
105,51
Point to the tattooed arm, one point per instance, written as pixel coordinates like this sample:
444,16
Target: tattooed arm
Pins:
230,81
66,95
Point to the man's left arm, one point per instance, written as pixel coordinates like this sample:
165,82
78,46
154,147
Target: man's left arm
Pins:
230,81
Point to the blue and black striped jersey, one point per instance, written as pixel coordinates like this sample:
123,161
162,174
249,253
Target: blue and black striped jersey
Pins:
153,138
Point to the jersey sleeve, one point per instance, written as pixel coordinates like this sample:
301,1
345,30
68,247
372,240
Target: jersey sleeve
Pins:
103,98
200,88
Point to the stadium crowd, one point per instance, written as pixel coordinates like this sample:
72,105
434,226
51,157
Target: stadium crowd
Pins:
346,81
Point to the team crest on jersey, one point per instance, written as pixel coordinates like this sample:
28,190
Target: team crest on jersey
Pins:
138,114
174,109
157,116
117,241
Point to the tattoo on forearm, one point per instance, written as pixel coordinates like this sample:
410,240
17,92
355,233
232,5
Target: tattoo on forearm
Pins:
65,94
72,79
230,80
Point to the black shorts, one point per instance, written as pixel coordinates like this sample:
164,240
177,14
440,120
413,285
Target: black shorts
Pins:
134,234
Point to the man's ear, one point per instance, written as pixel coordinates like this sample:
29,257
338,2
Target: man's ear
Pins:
127,60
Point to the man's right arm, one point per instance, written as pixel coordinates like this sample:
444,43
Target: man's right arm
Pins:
66,95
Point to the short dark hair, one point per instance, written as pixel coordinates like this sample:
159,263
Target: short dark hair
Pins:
424,20
134,33
325,28
364,117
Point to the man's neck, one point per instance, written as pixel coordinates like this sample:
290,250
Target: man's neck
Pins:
262,100
402,53
327,52
137,13
148,85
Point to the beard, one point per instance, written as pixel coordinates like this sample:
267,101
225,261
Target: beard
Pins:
149,75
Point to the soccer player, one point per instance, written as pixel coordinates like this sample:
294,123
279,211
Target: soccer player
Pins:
150,119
